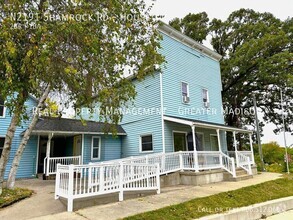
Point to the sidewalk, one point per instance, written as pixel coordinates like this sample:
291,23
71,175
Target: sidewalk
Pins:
169,196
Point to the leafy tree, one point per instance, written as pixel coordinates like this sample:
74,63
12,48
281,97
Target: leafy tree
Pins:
257,55
44,51
193,25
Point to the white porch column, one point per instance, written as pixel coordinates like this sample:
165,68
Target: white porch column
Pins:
48,153
236,150
220,147
194,149
251,148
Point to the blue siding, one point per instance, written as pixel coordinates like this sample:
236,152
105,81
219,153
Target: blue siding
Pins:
148,96
27,167
199,71
110,148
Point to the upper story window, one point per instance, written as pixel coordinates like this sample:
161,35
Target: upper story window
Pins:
2,108
2,139
185,92
96,148
205,98
146,143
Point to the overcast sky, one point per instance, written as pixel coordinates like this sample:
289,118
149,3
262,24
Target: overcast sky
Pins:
221,9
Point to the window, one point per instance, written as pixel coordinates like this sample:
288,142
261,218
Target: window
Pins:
1,145
96,148
214,142
146,143
2,108
185,92
205,98
199,141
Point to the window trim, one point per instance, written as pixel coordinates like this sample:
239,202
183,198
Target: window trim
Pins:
100,146
4,111
208,97
181,92
180,132
213,135
140,143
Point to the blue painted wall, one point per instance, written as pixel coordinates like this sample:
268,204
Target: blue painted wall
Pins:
135,125
27,167
110,148
185,64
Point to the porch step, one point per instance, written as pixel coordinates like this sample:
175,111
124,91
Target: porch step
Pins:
240,175
240,178
51,177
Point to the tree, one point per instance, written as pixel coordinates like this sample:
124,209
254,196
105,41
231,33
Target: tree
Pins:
193,25
257,55
78,47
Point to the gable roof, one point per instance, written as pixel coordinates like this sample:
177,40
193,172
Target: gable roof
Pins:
177,35
72,126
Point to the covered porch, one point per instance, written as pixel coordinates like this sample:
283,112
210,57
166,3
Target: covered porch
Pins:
71,142
209,144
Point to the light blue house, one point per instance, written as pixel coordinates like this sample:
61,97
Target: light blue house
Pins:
179,108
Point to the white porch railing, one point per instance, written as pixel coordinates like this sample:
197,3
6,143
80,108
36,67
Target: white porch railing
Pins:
50,163
74,182
244,162
133,173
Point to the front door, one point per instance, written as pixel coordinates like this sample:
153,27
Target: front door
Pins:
77,146
179,141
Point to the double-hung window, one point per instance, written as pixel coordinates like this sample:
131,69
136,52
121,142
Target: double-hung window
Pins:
146,143
96,148
205,98
185,92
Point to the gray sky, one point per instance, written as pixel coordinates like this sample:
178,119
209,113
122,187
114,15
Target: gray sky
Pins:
221,9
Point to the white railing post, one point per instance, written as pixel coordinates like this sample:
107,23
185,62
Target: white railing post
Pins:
251,149
70,188
102,179
45,165
233,167
146,159
158,179
48,166
249,165
57,182
79,160
236,150
121,170
181,165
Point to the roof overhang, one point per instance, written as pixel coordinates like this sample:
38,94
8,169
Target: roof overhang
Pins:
205,124
69,133
177,35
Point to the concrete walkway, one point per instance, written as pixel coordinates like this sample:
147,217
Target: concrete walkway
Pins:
285,215
41,203
169,196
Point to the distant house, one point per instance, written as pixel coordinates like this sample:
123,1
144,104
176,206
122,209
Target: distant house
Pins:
179,108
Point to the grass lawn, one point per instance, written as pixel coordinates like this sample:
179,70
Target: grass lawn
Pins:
10,196
222,202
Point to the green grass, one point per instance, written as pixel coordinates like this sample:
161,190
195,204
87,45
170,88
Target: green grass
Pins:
10,196
222,202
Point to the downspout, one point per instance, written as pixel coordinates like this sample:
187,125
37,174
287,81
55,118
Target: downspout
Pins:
162,112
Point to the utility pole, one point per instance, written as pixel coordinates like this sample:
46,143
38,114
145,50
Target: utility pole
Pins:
258,135
284,132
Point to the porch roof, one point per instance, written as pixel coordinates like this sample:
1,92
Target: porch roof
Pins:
204,124
72,126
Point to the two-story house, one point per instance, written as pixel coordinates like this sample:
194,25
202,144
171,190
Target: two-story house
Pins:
178,108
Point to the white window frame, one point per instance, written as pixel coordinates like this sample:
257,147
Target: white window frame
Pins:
140,143
214,135
4,111
208,95
92,148
187,87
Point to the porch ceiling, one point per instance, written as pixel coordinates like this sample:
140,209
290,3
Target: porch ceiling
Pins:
204,124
